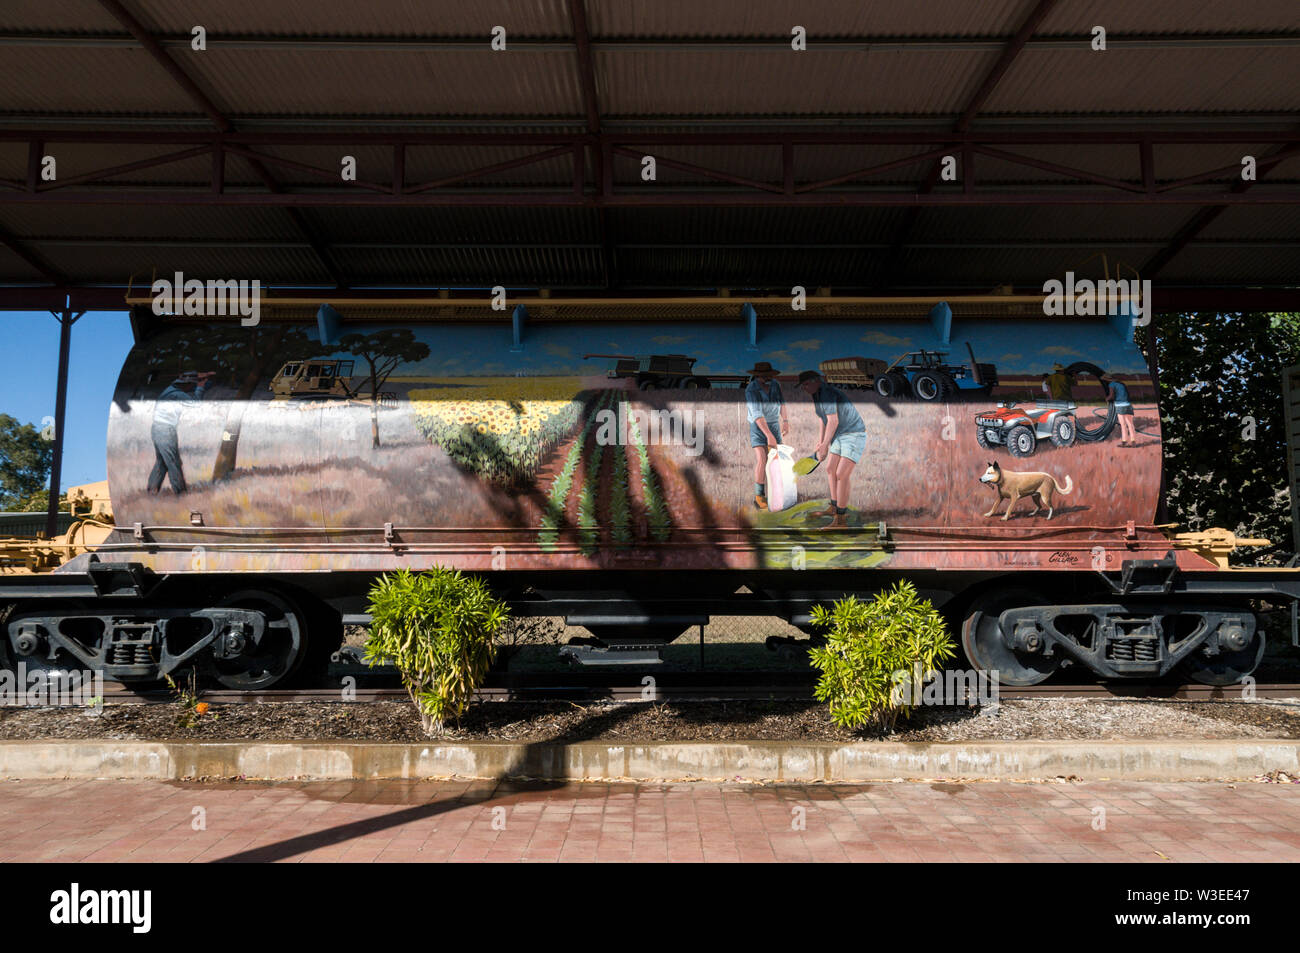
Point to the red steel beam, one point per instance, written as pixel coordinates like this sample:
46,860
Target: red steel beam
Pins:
1186,135
701,170
126,167
489,169
1165,299
763,194
586,67
33,261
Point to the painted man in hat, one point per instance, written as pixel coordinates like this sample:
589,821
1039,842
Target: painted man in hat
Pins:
841,442
1058,385
765,406
186,389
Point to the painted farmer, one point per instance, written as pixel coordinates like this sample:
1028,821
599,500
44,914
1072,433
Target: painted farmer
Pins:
1117,393
840,443
765,407
1059,385
180,393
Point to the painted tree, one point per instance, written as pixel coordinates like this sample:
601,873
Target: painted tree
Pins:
383,351
241,357
25,461
250,354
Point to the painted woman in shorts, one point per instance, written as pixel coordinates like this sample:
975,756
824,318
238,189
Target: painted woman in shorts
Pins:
765,407
1117,392
841,441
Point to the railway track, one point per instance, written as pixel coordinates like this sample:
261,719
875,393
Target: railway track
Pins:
589,690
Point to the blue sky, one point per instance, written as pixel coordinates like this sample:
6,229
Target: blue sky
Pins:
1014,345
100,342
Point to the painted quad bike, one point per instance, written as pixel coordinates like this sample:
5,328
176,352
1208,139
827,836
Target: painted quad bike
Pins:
1019,428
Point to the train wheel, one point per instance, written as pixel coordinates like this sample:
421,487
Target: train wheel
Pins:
981,637
1226,668
247,663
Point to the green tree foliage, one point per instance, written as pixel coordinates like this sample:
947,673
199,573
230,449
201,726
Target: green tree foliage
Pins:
383,351
437,628
1224,428
25,461
39,502
871,648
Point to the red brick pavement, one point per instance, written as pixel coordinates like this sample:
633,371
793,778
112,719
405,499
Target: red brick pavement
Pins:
444,820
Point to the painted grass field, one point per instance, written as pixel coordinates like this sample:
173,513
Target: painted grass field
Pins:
910,474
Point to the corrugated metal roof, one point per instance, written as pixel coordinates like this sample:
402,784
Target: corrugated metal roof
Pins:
154,221
1027,223
537,18
827,18
1059,81
109,80
702,83
484,267
306,82
1202,264
65,16
107,264
1173,17
757,83
518,223
1267,222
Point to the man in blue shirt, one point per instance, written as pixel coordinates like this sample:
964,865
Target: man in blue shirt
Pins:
840,442
765,407
176,396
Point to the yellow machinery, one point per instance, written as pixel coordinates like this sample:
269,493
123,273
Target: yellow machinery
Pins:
20,555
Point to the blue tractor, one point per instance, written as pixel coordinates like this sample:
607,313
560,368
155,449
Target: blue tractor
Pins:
927,375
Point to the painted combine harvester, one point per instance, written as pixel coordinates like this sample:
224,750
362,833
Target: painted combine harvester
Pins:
246,537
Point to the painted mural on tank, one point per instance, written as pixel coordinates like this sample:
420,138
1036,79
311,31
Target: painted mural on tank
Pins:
1010,443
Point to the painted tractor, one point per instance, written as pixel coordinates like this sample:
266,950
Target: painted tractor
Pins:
930,376
1019,428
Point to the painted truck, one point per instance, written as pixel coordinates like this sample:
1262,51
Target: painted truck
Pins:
247,535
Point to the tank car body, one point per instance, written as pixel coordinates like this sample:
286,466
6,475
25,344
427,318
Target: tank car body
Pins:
251,525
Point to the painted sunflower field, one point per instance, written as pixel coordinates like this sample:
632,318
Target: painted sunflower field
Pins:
503,440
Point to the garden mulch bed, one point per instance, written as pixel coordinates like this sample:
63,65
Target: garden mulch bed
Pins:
560,722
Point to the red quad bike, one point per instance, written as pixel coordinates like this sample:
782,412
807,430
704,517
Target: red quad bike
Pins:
1019,428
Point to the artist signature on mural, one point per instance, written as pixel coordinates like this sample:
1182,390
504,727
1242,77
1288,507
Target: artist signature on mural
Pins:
1065,556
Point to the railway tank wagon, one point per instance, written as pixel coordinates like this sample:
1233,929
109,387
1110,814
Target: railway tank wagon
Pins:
252,517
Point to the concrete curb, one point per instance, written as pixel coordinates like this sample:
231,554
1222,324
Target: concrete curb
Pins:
595,761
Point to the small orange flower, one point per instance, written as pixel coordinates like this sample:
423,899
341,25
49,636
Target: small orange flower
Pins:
201,708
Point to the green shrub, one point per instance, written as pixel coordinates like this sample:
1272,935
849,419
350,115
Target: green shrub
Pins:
437,629
873,647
